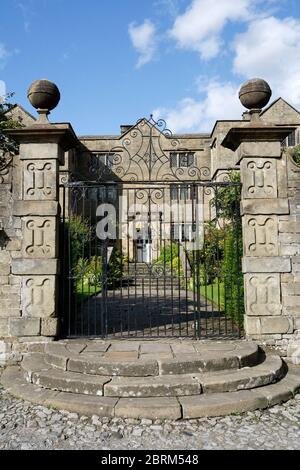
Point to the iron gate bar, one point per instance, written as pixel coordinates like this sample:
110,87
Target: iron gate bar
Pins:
174,296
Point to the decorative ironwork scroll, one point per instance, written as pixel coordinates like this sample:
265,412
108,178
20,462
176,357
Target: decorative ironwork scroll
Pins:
144,155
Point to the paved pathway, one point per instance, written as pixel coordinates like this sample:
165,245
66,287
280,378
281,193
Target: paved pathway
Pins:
24,426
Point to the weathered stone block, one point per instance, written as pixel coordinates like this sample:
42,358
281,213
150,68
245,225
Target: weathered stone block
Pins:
24,326
288,238
289,226
262,294
40,180
3,326
259,178
260,235
296,264
40,151
290,288
14,244
4,257
268,325
259,149
266,265
33,208
265,206
291,301
288,277
282,325
39,239
4,269
49,326
291,311
292,249
4,280
35,266
38,296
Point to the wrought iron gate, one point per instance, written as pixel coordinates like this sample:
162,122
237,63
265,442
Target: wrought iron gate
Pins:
145,259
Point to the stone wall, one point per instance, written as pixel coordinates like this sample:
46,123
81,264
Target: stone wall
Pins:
10,247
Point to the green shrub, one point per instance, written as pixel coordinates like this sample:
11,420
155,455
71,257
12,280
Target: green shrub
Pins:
232,274
209,258
90,270
295,152
115,268
79,232
170,260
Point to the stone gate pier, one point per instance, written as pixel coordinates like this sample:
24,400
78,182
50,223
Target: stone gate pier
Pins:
29,226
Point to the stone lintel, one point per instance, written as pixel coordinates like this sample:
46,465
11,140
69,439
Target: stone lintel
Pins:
42,208
255,133
265,206
25,267
276,264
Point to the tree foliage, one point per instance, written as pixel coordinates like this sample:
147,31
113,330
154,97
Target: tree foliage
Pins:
295,153
8,147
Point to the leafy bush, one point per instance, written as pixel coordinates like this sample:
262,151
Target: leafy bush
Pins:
210,256
7,145
89,271
227,199
115,268
232,274
295,153
169,259
79,231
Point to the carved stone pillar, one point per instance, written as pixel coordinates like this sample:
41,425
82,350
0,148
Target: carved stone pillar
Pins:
264,203
35,268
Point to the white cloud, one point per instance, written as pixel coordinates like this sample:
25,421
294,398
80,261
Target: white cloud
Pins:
143,38
199,115
270,49
199,28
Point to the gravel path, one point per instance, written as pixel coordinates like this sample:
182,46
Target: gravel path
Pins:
25,426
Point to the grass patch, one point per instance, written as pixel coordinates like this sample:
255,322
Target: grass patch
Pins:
85,291
215,293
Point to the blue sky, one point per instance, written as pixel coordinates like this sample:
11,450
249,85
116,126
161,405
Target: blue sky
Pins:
118,60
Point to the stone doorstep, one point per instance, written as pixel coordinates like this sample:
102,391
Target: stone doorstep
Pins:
153,408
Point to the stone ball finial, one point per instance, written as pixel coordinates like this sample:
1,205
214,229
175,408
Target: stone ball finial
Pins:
43,94
255,93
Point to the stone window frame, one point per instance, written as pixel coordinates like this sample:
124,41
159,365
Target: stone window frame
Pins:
182,159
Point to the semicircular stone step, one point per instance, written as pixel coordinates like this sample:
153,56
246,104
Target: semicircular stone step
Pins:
153,359
195,406
194,384
37,371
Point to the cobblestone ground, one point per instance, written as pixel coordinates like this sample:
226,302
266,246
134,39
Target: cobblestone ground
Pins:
25,426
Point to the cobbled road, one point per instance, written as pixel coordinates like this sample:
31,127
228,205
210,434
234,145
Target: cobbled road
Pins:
25,426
